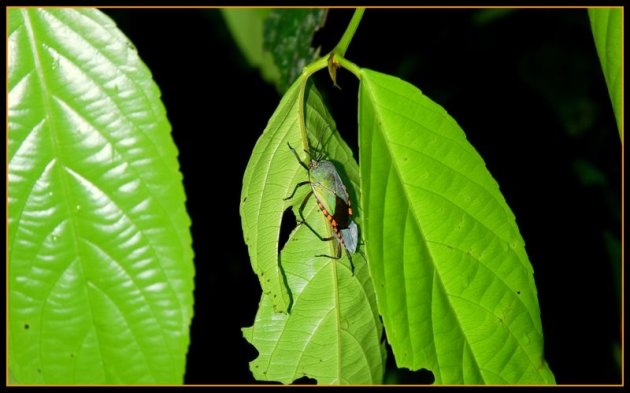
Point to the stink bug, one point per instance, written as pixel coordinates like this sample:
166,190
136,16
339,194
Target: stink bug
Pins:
333,201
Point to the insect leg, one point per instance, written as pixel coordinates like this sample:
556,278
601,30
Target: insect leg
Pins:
338,251
325,239
300,184
303,221
351,263
339,257
298,157
328,256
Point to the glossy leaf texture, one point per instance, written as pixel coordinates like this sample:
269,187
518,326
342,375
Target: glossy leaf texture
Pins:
287,36
606,25
454,285
330,330
100,257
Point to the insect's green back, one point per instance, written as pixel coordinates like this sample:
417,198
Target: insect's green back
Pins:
327,185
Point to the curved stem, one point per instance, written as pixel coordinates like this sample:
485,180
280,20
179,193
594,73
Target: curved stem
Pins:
344,42
335,57
308,71
342,45
348,65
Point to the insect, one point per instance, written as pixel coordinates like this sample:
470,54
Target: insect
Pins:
332,200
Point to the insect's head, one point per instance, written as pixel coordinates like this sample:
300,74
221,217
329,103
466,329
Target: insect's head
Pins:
317,153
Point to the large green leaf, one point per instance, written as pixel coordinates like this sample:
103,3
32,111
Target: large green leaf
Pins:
453,282
100,257
606,26
332,332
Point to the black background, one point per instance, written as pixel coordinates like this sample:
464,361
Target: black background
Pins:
527,88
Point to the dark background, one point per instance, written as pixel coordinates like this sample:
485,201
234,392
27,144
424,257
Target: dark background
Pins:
525,85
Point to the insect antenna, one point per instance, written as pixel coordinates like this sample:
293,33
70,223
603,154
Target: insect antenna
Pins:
318,152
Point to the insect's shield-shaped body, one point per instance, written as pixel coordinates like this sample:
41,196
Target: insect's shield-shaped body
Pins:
333,198
327,186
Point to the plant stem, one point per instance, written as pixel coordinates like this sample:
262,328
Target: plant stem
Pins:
344,42
308,71
335,55
339,51
348,65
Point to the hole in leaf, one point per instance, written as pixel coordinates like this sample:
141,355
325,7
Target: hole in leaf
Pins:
420,377
404,376
305,381
286,226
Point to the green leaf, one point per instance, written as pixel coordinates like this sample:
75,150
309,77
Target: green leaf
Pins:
246,26
262,202
454,285
606,26
287,35
100,258
333,331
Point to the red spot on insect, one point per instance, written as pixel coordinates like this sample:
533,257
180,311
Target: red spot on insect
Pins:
332,221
